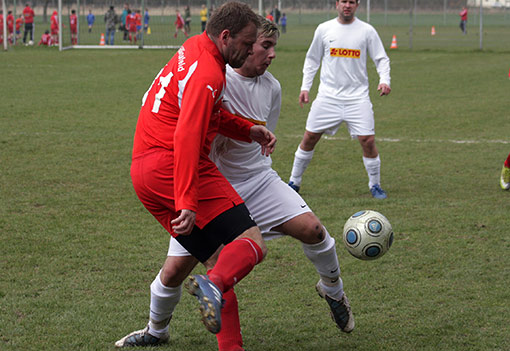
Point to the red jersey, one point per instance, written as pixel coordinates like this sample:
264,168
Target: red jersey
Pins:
463,15
10,23
138,19
181,113
179,22
1,24
19,22
73,22
54,21
46,40
28,14
131,22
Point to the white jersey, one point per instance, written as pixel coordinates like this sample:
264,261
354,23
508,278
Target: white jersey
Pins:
343,50
259,99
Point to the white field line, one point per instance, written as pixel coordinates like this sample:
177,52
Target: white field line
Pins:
398,140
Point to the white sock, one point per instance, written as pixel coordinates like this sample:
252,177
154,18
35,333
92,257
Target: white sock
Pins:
163,302
323,256
301,161
373,167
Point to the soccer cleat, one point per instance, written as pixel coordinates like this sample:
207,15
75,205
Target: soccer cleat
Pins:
294,186
505,178
377,192
141,338
210,299
340,310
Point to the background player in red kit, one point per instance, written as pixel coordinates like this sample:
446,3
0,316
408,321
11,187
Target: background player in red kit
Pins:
73,25
54,26
19,22
28,16
10,26
131,26
179,118
46,39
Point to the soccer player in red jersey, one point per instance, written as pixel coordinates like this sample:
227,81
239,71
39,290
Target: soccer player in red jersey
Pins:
54,26
131,26
46,39
179,24
73,25
173,175
28,15
138,23
19,22
10,26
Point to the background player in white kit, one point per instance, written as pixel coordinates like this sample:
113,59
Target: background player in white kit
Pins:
341,45
276,208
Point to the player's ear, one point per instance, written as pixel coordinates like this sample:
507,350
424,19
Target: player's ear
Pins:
224,36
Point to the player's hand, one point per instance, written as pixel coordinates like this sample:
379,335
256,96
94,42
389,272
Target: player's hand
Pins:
303,98
183,225
264,137
384,89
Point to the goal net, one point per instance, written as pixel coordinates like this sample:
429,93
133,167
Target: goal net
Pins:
159,24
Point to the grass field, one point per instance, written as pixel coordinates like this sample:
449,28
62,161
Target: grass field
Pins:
79,251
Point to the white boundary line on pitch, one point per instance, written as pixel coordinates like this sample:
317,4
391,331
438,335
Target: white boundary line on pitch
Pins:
395,140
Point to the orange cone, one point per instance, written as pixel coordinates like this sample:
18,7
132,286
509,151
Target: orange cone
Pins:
433,31
394,43
101,42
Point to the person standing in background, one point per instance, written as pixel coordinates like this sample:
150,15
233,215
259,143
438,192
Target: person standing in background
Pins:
111,19
90,20
203,17
28,16
341,47
187,19
463,20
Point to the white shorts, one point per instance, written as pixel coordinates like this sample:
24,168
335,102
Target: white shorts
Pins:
271,202
326,116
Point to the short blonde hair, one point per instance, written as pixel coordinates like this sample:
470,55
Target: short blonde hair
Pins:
268,28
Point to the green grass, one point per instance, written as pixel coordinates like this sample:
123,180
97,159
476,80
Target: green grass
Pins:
79,250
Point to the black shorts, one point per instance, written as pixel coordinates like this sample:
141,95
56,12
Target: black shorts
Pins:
225,228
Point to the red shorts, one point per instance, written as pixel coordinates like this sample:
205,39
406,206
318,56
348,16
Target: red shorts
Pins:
74,30
153,180
54,31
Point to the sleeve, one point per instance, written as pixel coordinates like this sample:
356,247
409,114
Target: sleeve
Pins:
378,55
312,60
276,106
234,127
197,105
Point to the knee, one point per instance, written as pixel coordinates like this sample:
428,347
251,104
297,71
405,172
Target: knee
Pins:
171,275
310,140
312,232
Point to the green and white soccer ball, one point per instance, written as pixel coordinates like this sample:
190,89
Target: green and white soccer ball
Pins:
368,235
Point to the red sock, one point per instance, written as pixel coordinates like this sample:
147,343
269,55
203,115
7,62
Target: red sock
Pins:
235,261
507,162
230,338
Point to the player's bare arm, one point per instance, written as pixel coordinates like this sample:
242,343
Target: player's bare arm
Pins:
264,137
303,98
384,89
183,225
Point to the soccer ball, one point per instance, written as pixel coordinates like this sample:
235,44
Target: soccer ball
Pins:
367,235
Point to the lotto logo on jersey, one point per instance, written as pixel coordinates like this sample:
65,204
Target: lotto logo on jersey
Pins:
336,52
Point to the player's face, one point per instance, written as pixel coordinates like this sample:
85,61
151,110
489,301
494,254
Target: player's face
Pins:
346,10
241,46
263,54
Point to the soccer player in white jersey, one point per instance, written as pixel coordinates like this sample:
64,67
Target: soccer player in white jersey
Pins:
341,46
277,209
